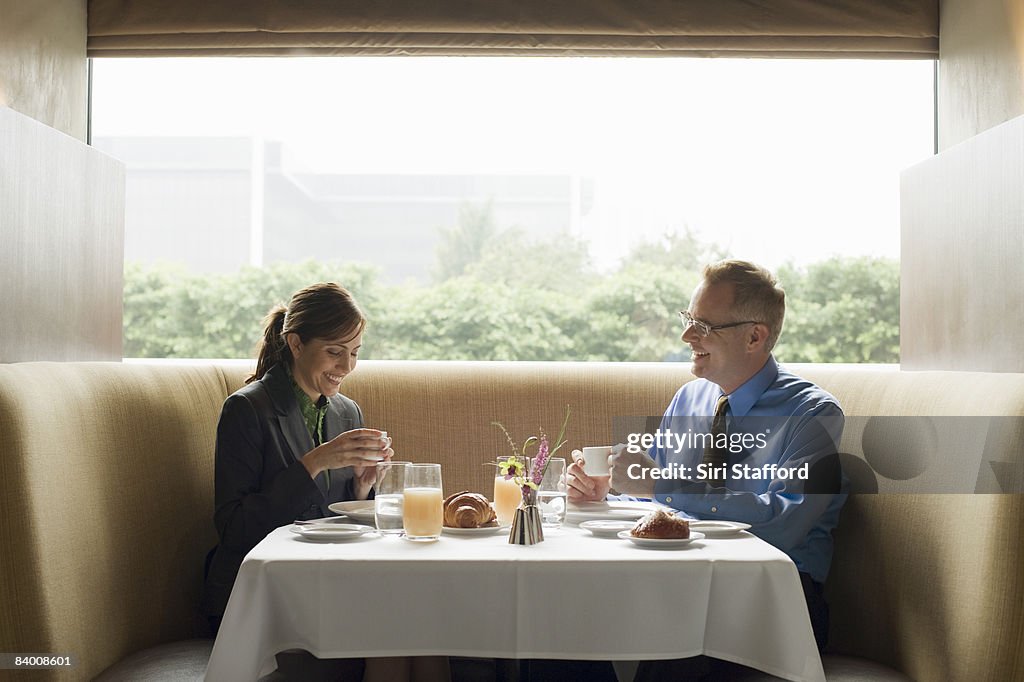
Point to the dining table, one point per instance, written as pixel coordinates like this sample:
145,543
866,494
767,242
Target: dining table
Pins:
572,596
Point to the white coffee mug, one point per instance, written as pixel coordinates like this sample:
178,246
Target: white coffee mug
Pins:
595,460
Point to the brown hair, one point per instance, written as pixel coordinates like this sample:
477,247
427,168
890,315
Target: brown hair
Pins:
320,311
757,294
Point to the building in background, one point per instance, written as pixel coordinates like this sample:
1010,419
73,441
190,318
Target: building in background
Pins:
217,203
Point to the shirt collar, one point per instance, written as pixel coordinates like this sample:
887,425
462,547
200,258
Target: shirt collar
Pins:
312,413
744,397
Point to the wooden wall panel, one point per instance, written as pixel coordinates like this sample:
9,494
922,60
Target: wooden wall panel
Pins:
43,68
981,67
962,256
61,245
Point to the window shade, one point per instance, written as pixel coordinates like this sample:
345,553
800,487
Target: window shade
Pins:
706,28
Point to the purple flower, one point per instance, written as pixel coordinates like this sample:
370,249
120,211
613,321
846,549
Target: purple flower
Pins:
540,462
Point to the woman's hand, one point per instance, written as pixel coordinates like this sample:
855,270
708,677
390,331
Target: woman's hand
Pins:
365,475
360,449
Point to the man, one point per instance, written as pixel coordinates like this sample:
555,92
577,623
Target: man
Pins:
780,432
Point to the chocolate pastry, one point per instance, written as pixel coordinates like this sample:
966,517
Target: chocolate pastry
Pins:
661,525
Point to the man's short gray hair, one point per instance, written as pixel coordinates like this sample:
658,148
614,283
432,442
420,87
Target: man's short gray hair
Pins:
758,295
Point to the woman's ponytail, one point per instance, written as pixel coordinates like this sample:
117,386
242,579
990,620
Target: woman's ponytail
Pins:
272,347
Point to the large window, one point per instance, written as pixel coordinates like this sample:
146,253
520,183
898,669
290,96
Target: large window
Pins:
499,208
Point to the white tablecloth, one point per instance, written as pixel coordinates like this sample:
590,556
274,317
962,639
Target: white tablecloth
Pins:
573,596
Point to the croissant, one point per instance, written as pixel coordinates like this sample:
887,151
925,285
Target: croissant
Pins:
468,510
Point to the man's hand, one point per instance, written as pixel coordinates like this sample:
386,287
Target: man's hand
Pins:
580,486
631,460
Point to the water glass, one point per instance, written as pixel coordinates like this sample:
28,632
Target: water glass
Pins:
388,497
552,494
507,496
422,511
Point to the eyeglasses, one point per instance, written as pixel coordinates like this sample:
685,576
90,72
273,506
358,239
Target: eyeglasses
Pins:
702,328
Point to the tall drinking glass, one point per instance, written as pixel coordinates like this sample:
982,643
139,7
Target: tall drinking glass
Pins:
422,512
552,494
507,496
388,497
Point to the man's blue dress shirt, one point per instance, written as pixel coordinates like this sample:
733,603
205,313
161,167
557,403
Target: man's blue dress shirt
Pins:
798,423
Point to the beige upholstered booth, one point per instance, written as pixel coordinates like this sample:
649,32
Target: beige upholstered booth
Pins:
106,495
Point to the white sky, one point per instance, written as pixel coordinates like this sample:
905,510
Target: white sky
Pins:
775,159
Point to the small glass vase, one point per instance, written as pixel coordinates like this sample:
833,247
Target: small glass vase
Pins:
526,524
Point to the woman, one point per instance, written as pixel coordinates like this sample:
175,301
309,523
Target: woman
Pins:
288,444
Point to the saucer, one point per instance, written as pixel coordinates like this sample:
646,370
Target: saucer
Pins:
360,511
661,543
332,532
605,528
474,532
578,512
719,529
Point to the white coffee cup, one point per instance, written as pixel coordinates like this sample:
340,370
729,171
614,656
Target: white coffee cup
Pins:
385,441
595,460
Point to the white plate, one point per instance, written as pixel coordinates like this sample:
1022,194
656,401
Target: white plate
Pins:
486,530
360,511
607,529
719,529
661,543
332,532
577,512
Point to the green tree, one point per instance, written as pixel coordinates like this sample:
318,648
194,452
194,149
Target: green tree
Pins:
154,309
469,319
170,312
632,315
461,246
681,252
841,310
558,262
478,248
524,300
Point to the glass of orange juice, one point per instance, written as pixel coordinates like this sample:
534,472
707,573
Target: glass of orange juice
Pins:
507,496
422,506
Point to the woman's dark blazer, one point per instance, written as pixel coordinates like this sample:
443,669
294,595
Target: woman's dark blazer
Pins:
259,480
